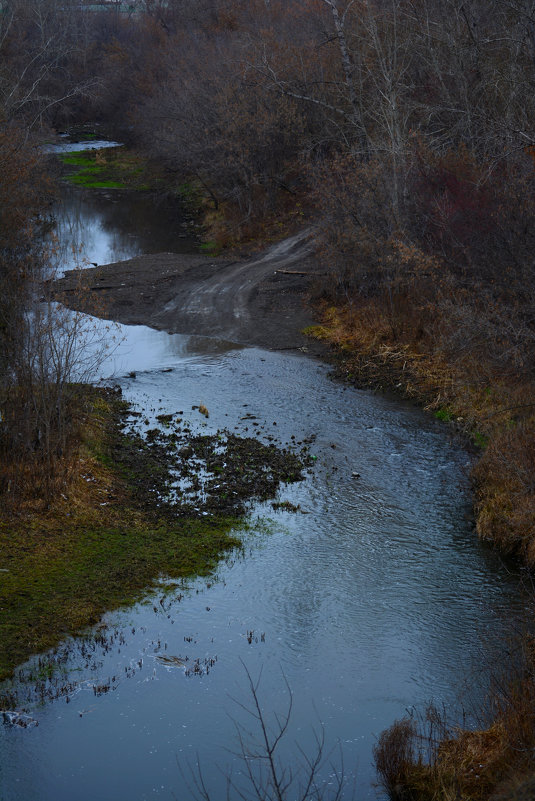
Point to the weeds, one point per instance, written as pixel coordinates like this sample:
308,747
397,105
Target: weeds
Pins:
394,756
444,414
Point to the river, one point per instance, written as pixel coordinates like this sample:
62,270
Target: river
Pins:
373,597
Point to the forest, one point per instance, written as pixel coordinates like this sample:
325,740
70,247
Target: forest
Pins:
403,132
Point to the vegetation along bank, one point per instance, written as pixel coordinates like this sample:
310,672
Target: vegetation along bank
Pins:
119,522
404,131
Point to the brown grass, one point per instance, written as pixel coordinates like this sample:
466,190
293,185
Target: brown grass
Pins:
495,411
423,761
505,486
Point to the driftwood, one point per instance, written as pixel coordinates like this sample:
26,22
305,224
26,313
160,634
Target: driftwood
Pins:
297,272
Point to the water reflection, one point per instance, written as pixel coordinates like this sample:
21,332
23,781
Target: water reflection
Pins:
109,226
136,348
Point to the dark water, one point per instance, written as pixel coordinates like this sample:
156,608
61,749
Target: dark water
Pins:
105,226
373,598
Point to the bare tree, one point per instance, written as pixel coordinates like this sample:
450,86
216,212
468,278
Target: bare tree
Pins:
265,776
38,42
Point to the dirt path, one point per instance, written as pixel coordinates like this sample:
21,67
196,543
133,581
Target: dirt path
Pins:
255,301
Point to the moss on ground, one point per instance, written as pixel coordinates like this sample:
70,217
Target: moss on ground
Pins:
120,527
111,168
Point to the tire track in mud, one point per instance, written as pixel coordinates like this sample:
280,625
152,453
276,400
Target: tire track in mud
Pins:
223,304
252,301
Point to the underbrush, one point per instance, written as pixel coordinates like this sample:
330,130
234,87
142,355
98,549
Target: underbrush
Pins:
227,227
425,757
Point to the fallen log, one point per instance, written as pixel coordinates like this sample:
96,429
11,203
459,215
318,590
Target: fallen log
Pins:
297,272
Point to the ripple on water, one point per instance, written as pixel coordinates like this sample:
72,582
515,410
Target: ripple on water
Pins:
370,599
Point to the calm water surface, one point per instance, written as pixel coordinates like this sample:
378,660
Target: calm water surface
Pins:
105,226
371,599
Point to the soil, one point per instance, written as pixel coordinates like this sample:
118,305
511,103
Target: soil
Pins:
260,300
175,473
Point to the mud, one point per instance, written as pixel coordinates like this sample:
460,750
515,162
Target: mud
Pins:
260,300
176,473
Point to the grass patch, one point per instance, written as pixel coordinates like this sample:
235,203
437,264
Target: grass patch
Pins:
119,528
78,159
481,440
111,168
93,550
210,248
319,332
63,573
90,183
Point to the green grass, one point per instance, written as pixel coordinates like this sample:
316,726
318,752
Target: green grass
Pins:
444,414
77,159
55,588
89,182
481,440
110,168
192,196
94,551
210,248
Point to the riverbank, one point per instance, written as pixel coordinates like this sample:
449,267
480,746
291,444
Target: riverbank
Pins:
264,300
425,757
261,300
120,525
251,299
496,414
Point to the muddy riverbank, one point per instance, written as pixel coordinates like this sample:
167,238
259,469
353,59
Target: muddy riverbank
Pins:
260,300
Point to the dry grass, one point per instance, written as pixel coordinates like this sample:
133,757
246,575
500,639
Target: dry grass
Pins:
418,761
505,486
495,411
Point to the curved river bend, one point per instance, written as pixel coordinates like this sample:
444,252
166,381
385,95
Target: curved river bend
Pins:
373,597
